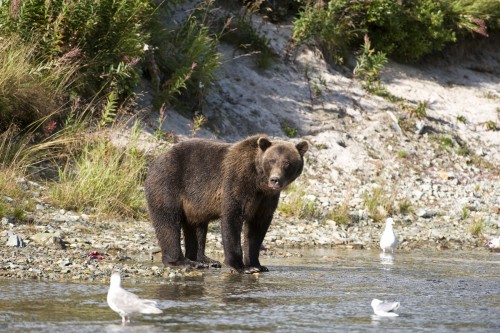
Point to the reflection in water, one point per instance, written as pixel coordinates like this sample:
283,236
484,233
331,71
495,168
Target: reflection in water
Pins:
321,291
386,259
131,328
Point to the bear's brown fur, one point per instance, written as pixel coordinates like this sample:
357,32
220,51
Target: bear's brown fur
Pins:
198,181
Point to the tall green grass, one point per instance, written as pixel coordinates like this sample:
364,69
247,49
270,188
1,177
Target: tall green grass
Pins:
30,88
103,178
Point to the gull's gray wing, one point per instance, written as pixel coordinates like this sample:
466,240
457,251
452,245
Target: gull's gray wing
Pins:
387,306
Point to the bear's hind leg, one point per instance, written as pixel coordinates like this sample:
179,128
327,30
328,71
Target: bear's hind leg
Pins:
167,224
194,239
201,238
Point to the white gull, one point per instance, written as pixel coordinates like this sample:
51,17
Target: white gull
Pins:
126,303
384,309
388,239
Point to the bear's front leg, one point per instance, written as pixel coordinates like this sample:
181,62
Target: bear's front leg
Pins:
254,232
231,225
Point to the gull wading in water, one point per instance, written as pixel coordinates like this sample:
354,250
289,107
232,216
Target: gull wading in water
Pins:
388,239
385,309
126,303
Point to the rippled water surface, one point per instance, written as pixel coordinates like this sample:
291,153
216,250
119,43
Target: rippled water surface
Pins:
322,291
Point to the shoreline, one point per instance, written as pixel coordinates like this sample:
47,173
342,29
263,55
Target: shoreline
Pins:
68,253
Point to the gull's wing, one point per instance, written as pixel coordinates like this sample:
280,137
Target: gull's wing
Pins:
387,306
130,303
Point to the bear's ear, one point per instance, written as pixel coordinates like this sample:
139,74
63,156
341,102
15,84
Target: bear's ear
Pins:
263,143
302,147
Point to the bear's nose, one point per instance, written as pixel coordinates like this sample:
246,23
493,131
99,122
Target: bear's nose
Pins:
275,180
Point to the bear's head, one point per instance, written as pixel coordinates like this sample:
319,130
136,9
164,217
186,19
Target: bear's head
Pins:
281,162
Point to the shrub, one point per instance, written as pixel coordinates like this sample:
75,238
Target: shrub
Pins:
187,56
332,26
243,35
404,30
369,65
107,35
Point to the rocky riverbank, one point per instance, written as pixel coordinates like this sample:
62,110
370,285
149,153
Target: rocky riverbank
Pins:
63,245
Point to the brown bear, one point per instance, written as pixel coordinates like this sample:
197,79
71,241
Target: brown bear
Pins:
198,181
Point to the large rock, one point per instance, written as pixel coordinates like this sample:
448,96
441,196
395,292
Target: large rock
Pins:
48,239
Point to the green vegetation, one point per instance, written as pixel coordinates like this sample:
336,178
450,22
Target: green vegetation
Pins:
108,36
445,142
378,204
340,214
297,205
491,125
104,178
405,207
476,226
69,68
188,56
243,35
289,131
402,153
30,89
369,65
465,213
404,30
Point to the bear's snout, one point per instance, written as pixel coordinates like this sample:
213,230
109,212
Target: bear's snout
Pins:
275,183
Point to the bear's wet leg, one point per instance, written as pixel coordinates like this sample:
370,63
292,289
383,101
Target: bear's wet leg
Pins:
191,247
201,237
231,225
254,232
167,226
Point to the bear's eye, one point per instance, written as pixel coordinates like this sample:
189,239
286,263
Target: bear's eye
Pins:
286,164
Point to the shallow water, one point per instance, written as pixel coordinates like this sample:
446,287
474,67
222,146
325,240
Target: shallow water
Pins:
323,291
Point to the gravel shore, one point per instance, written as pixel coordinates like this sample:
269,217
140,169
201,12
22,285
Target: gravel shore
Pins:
63,245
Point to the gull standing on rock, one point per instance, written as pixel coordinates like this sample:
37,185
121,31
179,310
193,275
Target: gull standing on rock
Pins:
126,303
384,309
388,239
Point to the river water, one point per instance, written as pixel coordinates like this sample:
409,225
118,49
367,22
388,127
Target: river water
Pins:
322,291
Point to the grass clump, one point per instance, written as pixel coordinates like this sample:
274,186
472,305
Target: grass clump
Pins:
405,207
461,119
104,178
491,126
402,153
341,214
289,130
378,204
298,205
476,226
